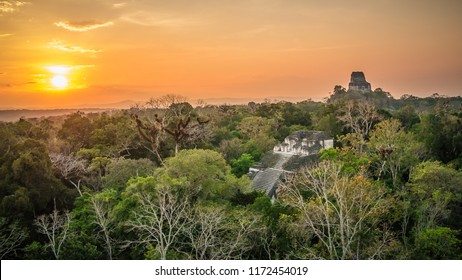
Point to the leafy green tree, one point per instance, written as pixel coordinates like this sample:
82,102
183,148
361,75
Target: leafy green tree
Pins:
254,127
76,131
394,150
440,243
119,171
259,146
29,186
80,247
91,229
325,119
114,136
442,135
435,193
407,116
207,173
232,148
37,251
351,163
241,165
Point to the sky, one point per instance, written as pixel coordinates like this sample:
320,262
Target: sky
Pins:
64,53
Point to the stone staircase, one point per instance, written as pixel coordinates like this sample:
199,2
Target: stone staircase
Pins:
266,180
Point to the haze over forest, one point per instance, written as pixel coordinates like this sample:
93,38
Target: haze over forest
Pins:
64,54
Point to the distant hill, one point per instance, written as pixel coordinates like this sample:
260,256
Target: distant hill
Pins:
14,115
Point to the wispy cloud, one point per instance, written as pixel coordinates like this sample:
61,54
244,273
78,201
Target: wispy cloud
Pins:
81,26
5,35
64,69
151,19
11,6
83,66
63,46
119,5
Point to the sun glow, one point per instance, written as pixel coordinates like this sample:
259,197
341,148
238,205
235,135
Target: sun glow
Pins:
59,80
59,70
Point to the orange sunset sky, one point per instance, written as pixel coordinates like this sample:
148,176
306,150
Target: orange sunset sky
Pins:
63,53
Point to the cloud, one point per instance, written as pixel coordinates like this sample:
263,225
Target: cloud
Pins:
149,19
63,46
81,26
5,35
82,66
11,6
119,5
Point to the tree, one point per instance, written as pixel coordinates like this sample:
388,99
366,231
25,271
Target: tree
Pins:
433,188
12,235
440,243
171,115
359,117
56,227
407,116
76,131
241,165
395,150
254,127
442,135
339,213
207,173
70,168
232,148
220,233
162,211
114,136
28,185
339,90
102,206
119,171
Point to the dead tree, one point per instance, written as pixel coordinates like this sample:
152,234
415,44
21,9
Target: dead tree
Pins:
11,237
172,116
55,226
70,168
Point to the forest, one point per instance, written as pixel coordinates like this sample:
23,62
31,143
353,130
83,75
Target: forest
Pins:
166,180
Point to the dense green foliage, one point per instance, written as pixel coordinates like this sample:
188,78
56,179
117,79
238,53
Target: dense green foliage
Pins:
168,181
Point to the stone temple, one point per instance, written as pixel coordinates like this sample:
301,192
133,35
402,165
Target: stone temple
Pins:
298,150
358,83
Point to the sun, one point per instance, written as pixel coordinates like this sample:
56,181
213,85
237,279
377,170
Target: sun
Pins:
59,79
59,82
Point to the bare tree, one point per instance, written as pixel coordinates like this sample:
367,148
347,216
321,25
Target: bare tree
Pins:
103,221
339,212
160,218
55,226
244,225
205,230
11,237
216,233
70,168
359,117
